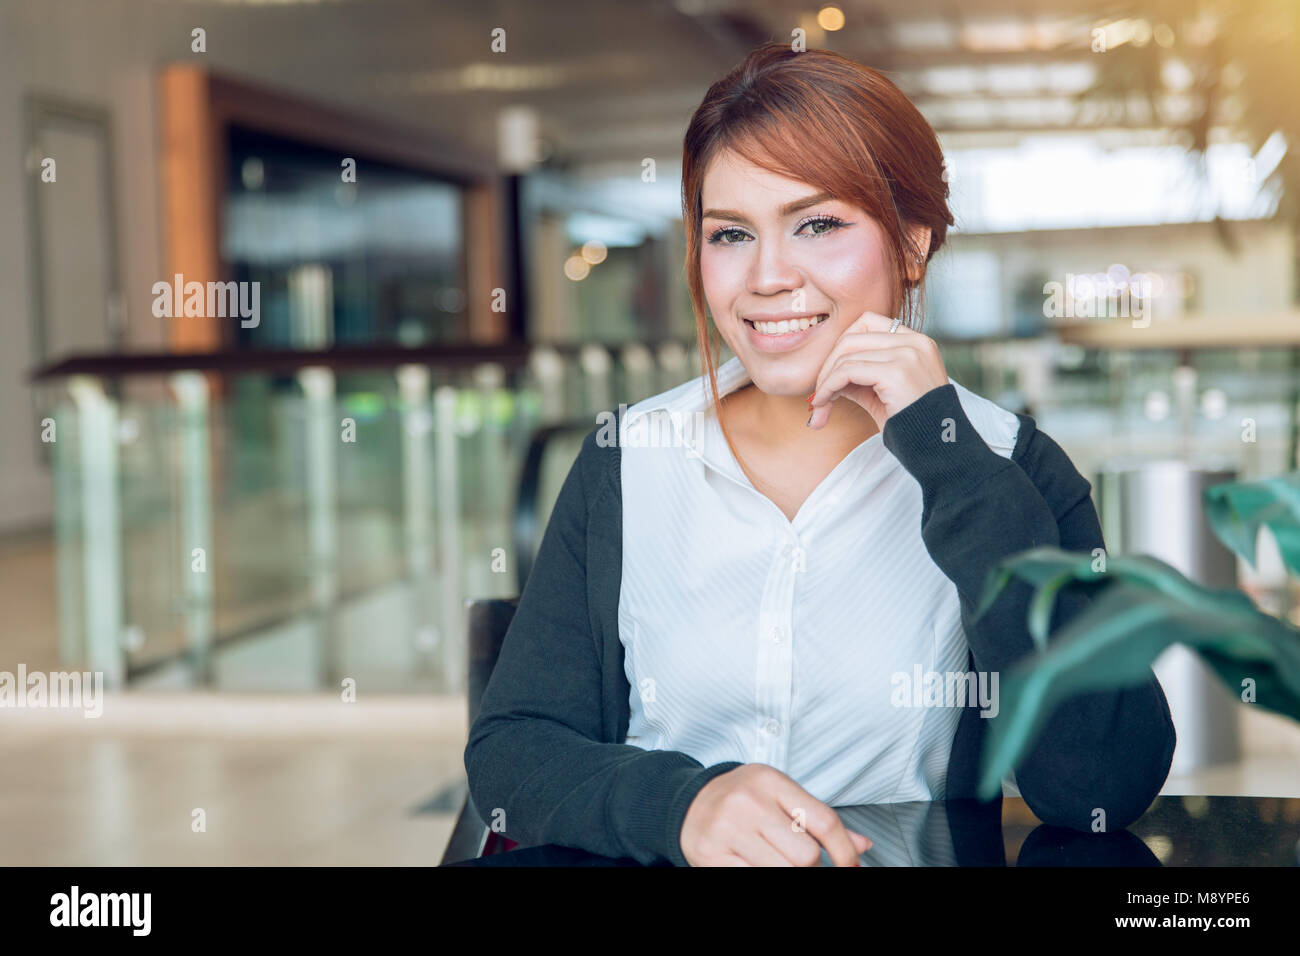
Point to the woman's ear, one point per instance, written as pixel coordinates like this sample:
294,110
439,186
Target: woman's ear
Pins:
918,248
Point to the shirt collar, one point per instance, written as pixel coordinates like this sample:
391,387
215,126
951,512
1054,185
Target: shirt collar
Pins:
688,411
693,425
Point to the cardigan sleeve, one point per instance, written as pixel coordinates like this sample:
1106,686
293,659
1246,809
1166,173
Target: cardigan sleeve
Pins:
1108,749
535,759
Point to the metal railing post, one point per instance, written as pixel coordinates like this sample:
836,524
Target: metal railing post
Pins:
451,631
322,515
417,422
191,389
101,530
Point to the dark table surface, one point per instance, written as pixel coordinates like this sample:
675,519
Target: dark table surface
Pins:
1175,831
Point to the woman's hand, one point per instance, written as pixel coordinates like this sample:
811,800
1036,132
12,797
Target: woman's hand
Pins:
757,816
883,372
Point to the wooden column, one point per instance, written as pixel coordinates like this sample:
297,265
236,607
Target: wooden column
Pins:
485,269
192,185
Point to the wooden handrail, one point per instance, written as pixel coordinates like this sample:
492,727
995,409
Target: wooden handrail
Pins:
511,354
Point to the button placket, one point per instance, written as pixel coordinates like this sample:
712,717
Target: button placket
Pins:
775,658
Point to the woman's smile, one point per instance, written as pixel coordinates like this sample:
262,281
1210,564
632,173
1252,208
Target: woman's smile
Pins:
780,333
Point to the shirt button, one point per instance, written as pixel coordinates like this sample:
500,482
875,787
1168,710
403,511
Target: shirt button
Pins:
772,727
776,635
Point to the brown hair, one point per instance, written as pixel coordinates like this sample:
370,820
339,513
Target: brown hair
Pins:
820,118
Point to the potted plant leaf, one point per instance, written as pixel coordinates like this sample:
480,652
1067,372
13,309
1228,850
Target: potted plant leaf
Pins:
1143,605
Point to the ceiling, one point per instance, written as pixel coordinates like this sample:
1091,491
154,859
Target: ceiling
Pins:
609,81
615,81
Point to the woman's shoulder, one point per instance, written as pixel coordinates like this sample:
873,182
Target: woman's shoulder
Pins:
599,458
1001,429
1017,436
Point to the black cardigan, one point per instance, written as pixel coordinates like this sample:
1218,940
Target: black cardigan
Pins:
546,758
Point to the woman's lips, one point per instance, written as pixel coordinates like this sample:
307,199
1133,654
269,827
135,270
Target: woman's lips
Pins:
782,342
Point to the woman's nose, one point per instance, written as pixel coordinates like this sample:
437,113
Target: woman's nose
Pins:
773,270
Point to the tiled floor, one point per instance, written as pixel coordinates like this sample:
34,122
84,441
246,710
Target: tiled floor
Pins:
29,625
1270,764
289,780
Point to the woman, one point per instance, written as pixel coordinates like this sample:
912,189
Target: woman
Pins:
726,634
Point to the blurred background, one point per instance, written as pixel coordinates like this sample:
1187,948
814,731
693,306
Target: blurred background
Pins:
462,220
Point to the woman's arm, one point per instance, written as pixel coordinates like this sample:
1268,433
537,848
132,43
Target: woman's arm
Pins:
535,749
1109,750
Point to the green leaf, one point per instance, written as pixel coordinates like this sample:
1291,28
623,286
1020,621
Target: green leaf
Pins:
1044,566
1040,609
1038,566
1112,644
1237,510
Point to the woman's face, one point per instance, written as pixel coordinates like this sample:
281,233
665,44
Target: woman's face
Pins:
766,255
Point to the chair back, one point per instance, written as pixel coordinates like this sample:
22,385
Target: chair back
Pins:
551,454
489,619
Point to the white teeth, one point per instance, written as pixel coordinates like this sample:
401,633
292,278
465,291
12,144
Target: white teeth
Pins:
787,325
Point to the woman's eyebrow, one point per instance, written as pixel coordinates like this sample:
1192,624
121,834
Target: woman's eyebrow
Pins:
790,207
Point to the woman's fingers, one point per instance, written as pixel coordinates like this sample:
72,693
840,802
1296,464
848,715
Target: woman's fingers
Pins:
868,370
851,343
788,836
872,324
836,377
757,850
819,820
757,816
830,831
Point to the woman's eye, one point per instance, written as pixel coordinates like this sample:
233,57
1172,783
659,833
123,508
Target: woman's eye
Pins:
716,236
830,222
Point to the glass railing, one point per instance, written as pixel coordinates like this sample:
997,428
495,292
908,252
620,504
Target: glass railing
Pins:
302,528
1231,406
324,522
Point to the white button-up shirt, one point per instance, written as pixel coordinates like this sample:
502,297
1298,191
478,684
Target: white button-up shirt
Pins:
754,638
